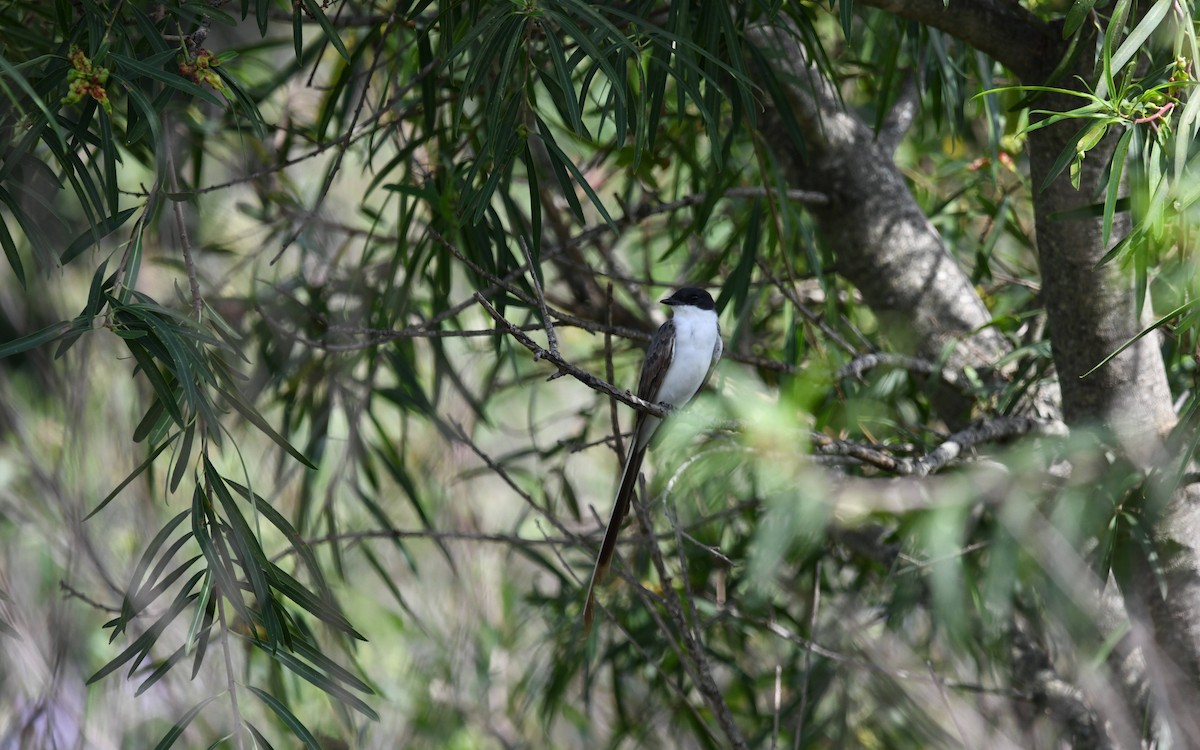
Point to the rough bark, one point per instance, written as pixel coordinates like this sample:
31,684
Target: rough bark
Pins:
1091,312
887,248
1005,31
884,242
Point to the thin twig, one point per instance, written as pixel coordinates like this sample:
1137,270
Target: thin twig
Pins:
232,684
583,376
189,263
501,472
697,665
802,308
812,635
981,431
551,338
856,367
778,704
72,592
608,373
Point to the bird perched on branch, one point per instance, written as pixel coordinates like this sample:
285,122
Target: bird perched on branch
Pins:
680,359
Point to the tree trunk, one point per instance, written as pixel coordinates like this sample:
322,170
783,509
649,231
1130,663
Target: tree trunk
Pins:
1091,312
885,244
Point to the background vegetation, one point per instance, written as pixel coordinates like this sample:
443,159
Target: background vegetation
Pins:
318,318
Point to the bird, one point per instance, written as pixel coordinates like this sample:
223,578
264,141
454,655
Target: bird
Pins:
681,357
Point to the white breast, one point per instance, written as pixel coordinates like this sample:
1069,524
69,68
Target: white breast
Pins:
696,335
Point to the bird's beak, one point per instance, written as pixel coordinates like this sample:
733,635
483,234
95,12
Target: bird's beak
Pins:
668,301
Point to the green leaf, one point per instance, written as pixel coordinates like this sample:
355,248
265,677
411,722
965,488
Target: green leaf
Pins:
250,553
560,161
324,681
161,670
1137,38
183,460
135,581
323,610
1116,168
177,729
1068,155
132,476
164,390
259,739
152,68
314,9
246,410
1076,15
1152,327
141,647
285,715
10,253
25,343
201,627
1116,25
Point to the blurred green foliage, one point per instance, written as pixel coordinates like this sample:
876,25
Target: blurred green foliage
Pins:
346,511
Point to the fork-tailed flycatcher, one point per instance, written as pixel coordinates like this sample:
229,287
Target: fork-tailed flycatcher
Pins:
681,356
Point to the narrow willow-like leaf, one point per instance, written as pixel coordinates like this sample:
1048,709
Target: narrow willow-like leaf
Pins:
148,554
570,110
259,739
561,161
246,410
1076,15
152,68
1150,328
11,254
161,670
1115,170
165,391
35,339
201,628
247,104
287,717
249,551
1137,38
331,33
219,566
1116,25
140,647
132,476
1068,155
737,286
326,676
183,460
177,729
323,610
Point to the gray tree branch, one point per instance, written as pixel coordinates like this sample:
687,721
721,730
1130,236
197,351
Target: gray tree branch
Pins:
885,244
1005,31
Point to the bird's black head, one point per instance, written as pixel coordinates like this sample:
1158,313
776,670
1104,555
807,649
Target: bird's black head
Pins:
690,295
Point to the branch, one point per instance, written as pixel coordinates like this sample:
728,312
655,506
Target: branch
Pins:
856,367
981,431
1050,692
1005,31
551,338
884,242
583,376
697,666
185,244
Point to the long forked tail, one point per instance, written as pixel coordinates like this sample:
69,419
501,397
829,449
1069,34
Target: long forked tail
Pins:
629,477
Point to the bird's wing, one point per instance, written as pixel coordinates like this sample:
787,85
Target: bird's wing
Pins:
658,359
718,350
